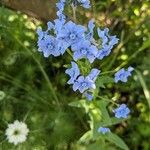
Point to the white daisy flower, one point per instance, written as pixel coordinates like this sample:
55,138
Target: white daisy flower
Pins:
17,132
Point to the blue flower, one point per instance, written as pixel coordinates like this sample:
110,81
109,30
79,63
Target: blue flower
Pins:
91,25
108,43
49,45
84,49
103,130
83,83
73,72
50,26
122,111
58,26
60,5
85,3
94,74
90,33
122,74
41,33
105,51
61,17
88,95
71,33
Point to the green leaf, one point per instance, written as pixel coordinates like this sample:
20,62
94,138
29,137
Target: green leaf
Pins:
104,120
146,44
144,86
115,120
86,137
113,138
102,80
98,145
80,104
104,112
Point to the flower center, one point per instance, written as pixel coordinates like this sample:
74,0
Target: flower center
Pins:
72,36
84,84
50,46
122,111
16,132
83,51
122,76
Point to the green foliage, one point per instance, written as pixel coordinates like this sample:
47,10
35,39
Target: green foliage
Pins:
99,117
116,140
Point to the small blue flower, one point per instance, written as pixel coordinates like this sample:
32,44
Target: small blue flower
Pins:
73,72
71,33
84,3
91,25
58,25
49,45
90,34
61,17
122,74
108,43
122,111
60,5
103,130
94,74
41,33
84,49
83,83
50,26
88,95
105,51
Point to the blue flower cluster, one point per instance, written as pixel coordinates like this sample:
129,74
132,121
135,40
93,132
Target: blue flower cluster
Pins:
49,44
121,112
62,35
107,43
83,84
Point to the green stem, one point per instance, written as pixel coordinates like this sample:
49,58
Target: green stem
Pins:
118,48
108,100
69,52
130,58
27,89
39,130
126,62
93,8
27,114
144,86
19,147
41,69
74,12
108,72
2,141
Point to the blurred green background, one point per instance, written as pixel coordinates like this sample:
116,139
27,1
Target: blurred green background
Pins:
31,85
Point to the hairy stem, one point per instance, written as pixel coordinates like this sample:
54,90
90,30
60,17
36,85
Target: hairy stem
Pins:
74,12
93,8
